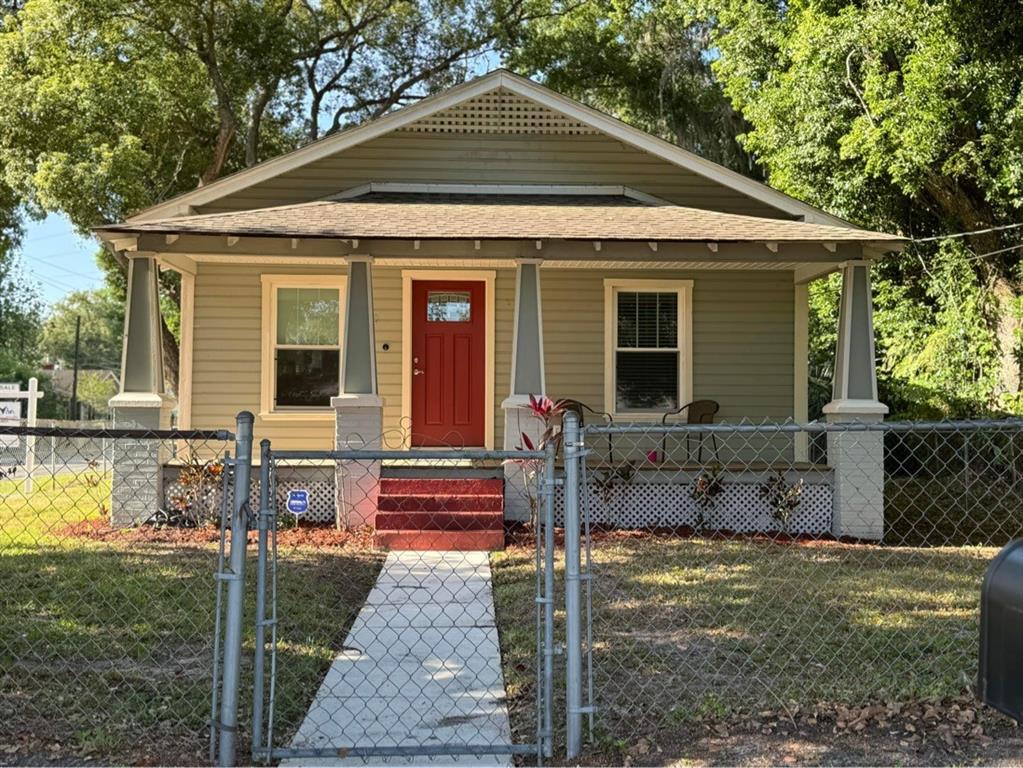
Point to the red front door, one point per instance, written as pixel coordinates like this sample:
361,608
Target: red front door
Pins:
448,362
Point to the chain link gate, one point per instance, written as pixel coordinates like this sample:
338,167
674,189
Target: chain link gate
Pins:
414,666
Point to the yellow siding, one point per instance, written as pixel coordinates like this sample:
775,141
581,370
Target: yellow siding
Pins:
742,337
493,159
742,343
226,356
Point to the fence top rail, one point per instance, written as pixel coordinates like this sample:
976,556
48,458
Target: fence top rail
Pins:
811,427
153,434
445,454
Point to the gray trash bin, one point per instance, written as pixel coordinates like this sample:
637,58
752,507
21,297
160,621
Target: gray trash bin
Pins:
1000,678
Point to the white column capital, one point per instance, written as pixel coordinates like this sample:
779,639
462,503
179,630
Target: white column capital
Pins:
355,400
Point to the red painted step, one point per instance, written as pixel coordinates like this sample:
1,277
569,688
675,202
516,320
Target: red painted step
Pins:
461,514
457,541
424,502
440,521
458,486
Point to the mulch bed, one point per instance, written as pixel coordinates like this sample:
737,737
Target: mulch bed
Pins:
314,536
518,535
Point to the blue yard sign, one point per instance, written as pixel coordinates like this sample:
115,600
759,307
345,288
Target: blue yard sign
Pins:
298,502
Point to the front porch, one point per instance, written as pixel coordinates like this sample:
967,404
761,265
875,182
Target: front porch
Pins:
370,340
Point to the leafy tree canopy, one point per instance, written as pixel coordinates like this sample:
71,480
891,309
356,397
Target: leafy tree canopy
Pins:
102,323
113,105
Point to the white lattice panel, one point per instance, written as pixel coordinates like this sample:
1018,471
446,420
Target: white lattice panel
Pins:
319,481
740,507
499,111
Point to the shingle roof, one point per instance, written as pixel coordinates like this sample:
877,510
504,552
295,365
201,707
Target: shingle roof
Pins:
432,216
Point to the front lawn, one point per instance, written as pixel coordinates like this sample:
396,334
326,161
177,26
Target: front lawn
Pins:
692,629
106,646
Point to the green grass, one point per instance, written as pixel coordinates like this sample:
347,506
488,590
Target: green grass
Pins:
688,628
106,648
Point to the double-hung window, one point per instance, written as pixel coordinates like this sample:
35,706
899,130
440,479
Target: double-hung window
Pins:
303,333
647,346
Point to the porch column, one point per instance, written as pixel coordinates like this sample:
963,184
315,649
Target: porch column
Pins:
358,408
857,457
137,483
527,378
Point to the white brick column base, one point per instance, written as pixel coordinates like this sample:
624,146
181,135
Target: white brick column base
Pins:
359,421
519,487
857,458
137,480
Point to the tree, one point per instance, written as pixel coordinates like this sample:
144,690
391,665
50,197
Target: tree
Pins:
113,105
647,63
95,390
102,315
905,117
20,313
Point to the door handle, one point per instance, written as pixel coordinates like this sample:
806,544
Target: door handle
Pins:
417,371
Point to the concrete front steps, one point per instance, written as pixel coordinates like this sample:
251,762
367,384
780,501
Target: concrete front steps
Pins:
461,514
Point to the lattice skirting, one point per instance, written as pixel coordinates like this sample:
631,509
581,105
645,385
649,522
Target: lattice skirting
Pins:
651,500
318,480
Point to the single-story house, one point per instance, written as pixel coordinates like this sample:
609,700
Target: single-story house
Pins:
409,282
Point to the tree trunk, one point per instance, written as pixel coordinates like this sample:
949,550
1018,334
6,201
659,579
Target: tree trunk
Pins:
171,355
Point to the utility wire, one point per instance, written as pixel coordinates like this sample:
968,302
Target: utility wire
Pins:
995,253
967,234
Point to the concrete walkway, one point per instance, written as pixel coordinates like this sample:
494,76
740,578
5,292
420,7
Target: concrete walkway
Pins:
421,666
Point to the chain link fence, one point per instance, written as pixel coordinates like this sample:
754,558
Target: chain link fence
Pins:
731,570
407,659
107,546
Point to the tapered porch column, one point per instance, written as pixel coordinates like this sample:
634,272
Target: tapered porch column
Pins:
137,491
527,378
857,457
358,408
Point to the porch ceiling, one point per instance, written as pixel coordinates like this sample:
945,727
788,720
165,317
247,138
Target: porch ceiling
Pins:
408,216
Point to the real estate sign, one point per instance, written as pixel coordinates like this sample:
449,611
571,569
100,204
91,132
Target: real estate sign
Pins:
10,413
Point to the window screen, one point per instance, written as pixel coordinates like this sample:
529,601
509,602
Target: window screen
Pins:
646,352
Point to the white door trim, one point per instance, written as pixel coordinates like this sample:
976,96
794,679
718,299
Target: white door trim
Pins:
489,278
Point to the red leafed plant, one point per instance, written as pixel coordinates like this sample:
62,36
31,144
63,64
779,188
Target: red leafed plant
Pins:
549,412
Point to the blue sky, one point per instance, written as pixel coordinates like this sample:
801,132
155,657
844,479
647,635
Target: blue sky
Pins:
57,259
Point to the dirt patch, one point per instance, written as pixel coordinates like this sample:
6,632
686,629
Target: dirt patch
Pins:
955,731
315,536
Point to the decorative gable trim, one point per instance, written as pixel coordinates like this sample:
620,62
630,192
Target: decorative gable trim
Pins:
500,111
572,113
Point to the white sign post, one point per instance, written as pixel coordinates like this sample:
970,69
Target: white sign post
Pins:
11,396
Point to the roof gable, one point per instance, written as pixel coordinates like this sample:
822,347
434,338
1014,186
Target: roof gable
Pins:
497,106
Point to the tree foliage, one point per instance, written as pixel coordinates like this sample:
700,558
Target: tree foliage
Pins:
102,321
647,63
113,105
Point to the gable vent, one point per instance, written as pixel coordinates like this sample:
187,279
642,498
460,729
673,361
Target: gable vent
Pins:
499,111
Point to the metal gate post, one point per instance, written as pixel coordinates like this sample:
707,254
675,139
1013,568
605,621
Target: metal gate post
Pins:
550,483
263,523
235,576
573,603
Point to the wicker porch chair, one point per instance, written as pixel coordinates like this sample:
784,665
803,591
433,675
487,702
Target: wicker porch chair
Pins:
697,412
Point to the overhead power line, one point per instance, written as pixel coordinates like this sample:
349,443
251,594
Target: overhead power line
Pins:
1001,228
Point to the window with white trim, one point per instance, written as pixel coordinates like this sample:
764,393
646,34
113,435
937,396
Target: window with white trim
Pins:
302,346
648,345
